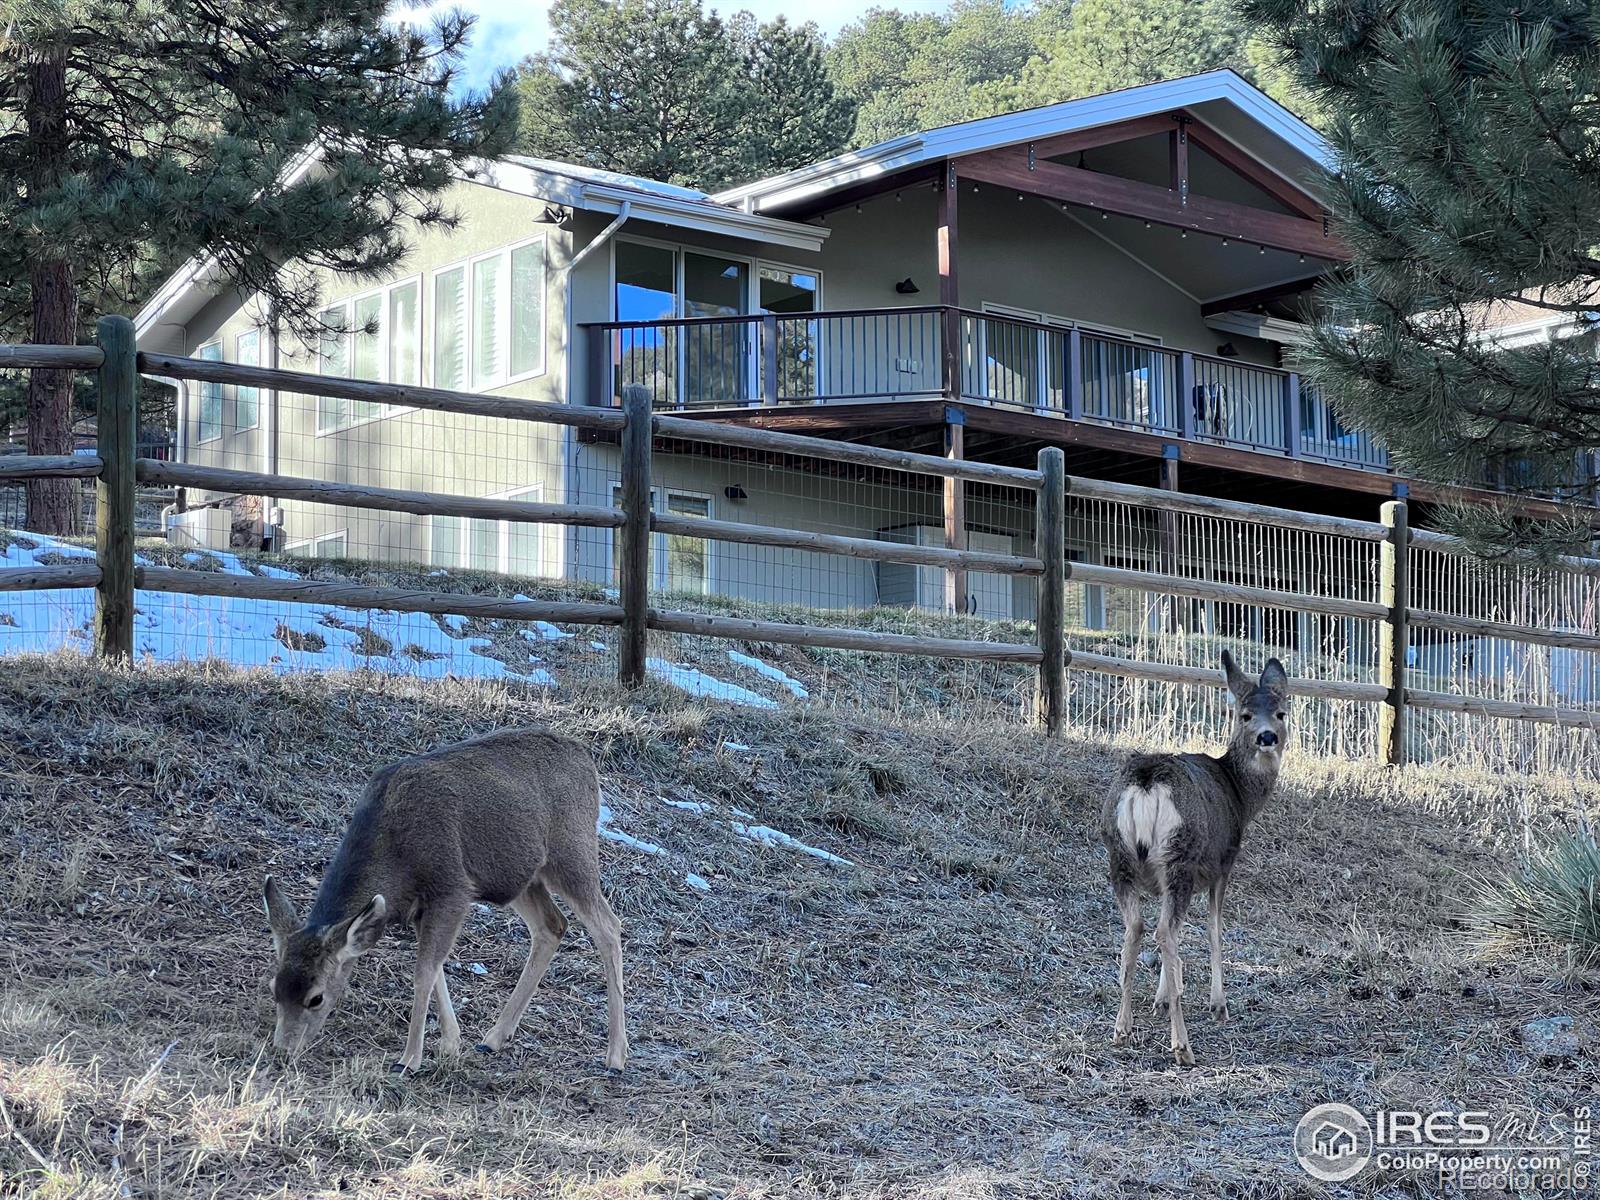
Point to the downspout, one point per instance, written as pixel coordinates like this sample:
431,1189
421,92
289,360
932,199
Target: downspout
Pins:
569,435
270,528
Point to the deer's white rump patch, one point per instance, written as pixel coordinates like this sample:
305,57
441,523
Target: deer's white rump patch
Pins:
1147,819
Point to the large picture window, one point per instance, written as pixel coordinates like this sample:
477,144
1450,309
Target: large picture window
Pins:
375,336
489,319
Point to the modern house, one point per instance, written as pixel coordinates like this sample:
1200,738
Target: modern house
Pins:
1119,275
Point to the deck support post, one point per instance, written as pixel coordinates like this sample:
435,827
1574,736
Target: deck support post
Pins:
633,583
1393,636
955,510
1050,545
117,432
949,286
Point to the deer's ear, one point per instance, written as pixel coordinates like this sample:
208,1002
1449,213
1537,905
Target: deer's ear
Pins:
1240,684
1274,678
364,930
280,914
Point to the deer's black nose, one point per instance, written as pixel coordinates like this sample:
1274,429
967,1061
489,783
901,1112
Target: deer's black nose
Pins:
1267,738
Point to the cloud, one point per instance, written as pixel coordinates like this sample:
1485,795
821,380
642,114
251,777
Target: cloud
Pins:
504,33
508,31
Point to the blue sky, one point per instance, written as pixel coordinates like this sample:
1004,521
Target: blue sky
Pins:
509,30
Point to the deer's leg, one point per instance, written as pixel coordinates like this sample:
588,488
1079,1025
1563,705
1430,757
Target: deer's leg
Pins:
436,933
449,1028
1219,1000
1174,907
606,931
546,926
1132,933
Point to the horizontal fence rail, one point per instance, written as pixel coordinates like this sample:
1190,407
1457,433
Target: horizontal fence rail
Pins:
49,466
1153,386
38,579
350,595
350,495
68,358
401,395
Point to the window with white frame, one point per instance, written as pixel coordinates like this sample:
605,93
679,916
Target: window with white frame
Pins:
682,563
328,545
210,398
376,336
509,547
489,318
247,400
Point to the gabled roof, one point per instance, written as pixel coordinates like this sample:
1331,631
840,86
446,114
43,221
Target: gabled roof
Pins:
1249,117
187,290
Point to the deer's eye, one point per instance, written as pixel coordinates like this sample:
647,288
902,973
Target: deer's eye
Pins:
1244,717
314,1001
1282,716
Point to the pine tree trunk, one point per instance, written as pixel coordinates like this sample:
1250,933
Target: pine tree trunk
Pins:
52,503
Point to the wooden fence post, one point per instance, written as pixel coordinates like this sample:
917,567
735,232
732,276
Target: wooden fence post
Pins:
1050,526
1393,637
117,424
633,583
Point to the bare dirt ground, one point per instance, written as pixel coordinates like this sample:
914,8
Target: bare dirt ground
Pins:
930,1020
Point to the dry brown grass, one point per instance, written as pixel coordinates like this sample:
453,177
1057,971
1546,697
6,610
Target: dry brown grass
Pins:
931,1021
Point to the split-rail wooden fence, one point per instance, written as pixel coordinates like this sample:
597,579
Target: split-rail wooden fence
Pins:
116,577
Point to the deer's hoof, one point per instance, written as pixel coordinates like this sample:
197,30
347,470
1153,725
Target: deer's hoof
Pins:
398,1068
484,1048
1183,1056
1219,1012
1159,1006
1122,1037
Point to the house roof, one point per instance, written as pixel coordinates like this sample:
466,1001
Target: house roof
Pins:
1249,117
192,286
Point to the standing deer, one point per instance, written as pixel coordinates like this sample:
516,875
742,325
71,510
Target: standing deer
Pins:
507,818
1172,823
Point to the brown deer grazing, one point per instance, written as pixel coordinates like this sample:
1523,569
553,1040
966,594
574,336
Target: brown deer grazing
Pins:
508,818
1172,823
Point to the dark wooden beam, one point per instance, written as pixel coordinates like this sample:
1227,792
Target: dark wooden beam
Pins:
1100,135
1126,197
1249,168
1245,301
949,280
1178,152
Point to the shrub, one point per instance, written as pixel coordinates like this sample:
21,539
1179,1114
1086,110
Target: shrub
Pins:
1551,902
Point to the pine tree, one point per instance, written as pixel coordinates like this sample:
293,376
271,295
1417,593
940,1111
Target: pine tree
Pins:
1113,44
666,90
793,114
1469,191
140,132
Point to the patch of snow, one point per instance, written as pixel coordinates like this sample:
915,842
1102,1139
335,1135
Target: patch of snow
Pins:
698,683
600,646
694,806
771,672
769,836
737,747
173,627
477,968
604,829
696,882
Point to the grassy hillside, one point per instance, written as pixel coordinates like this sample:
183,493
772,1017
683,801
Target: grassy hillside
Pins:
930,1019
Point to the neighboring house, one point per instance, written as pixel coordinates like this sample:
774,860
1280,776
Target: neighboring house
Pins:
1117,275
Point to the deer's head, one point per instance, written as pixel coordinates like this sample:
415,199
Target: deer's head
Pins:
1261,710
314,965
